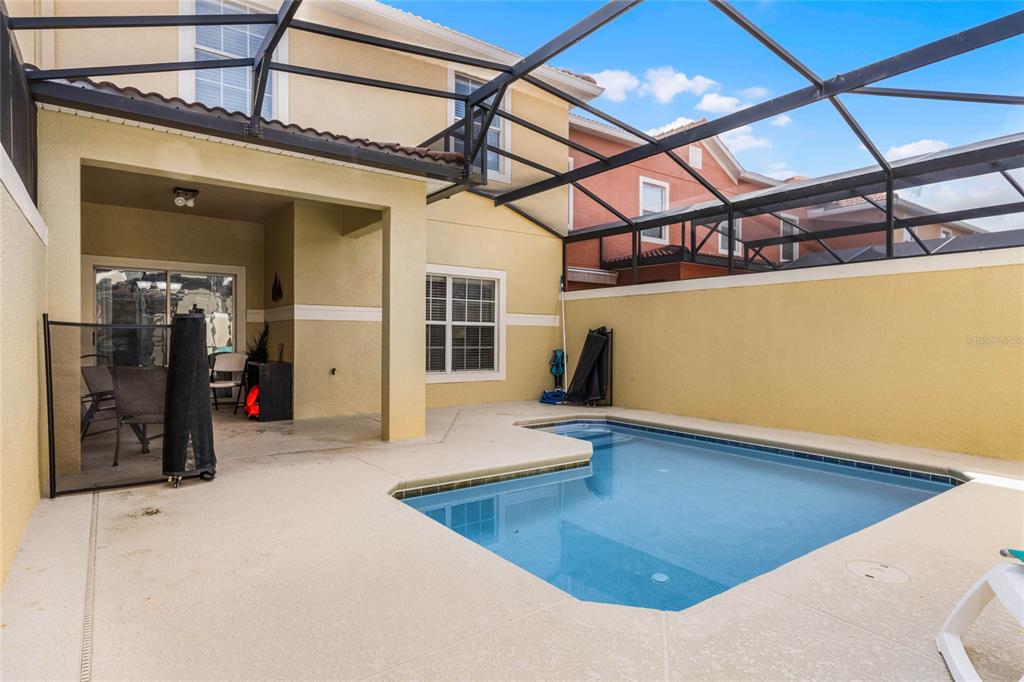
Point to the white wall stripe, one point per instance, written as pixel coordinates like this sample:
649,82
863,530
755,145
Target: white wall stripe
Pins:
895,266
346,313
16,188
528,320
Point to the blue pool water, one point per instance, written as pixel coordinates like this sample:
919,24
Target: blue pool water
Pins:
663,521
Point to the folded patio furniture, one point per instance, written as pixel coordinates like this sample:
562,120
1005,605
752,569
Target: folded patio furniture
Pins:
139,401
591,383
1005,582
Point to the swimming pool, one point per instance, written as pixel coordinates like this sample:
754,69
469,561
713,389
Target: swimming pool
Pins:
665,520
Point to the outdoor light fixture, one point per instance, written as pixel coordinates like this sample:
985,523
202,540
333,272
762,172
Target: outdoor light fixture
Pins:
185,197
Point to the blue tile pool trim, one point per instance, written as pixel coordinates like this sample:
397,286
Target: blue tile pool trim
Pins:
430,489
830,459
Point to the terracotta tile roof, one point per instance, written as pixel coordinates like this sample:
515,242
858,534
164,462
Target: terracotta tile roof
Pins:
177,102
582,76
795,178
854,201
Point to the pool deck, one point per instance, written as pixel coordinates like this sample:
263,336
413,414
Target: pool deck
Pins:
296,563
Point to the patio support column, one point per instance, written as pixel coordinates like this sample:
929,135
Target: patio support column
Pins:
403,337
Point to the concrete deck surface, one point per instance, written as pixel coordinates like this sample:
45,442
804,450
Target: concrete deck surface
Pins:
296,564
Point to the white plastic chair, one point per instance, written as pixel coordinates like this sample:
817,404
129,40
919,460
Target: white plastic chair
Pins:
227,363
1005,581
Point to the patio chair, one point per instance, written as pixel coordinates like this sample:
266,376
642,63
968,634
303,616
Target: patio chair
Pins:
1005,582
234,365
139,394
98,401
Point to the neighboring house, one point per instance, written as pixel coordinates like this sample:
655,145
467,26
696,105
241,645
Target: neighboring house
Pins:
658,184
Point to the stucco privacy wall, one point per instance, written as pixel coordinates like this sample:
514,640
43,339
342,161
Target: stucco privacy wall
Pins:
22,281
931,358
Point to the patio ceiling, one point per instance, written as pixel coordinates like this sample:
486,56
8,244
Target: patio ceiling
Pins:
468,172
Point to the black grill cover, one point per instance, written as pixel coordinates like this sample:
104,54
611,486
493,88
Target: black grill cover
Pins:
187,417
591,378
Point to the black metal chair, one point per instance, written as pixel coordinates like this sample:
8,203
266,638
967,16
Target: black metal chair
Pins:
98,401
139,395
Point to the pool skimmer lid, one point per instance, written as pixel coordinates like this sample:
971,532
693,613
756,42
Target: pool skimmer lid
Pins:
879,572
659,578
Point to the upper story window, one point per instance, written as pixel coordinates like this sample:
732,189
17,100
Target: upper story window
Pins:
696,157
498,167
654,199
723,236
790,250
229,88
945,234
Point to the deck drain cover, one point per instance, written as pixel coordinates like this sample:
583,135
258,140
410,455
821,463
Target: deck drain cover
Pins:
873,570
659,578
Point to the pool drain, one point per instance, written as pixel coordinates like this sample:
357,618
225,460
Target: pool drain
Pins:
659,578
879,572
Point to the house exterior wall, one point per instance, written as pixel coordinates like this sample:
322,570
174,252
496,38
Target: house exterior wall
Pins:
22,421
932,357
621,189
353,110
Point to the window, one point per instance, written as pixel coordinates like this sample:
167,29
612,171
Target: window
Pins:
133,295
723,236
462,328
696,157
791,250
572,195
654,199
945,234
907,235
497,134
228,88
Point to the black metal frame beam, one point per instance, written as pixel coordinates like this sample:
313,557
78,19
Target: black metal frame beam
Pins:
93,71
882,226
139,21
981,98
521,213
1013,182
396,46
262,58
945,48
361,80
560,43
1003,153
89,99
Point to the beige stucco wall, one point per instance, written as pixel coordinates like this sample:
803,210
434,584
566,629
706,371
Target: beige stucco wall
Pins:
120,231
22,422
932,359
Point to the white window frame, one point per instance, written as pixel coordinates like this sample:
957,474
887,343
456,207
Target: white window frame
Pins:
504,173
90,263
663,239
187,50
907,236
500,323
782,233
696,157
724,251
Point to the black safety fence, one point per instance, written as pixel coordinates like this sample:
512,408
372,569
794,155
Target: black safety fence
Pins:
108,388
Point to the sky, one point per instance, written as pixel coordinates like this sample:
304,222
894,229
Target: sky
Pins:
665,62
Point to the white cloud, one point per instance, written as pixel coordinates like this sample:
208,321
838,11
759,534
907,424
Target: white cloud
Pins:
779,170
664,83
671,125
756,92
616,83
743,138
925,146
719,104
781,121
982,190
